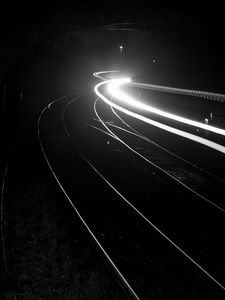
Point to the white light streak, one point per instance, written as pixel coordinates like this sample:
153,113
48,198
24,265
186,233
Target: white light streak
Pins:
113,89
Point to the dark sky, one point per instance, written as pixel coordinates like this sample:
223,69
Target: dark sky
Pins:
22,24
23,13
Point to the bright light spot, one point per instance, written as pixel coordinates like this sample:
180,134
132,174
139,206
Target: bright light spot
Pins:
121,49
113,88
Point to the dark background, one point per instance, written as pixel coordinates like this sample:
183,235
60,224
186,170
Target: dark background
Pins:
35,60
23,24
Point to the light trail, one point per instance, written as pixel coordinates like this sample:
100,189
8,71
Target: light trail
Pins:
99,74
113,88
172,90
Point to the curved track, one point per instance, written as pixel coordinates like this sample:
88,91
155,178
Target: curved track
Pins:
174,217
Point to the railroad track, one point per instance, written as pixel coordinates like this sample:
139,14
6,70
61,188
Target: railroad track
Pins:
113,131
117,242
199,181
166,164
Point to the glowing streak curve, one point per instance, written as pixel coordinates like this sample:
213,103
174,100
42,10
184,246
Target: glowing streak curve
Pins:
113,87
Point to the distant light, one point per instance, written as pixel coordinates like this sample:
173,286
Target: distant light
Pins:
206,121
153,60
121,49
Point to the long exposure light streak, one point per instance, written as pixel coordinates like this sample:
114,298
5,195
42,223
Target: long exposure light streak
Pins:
113,88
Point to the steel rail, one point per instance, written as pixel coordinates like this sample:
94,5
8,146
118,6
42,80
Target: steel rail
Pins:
2,231
188,257
126,286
